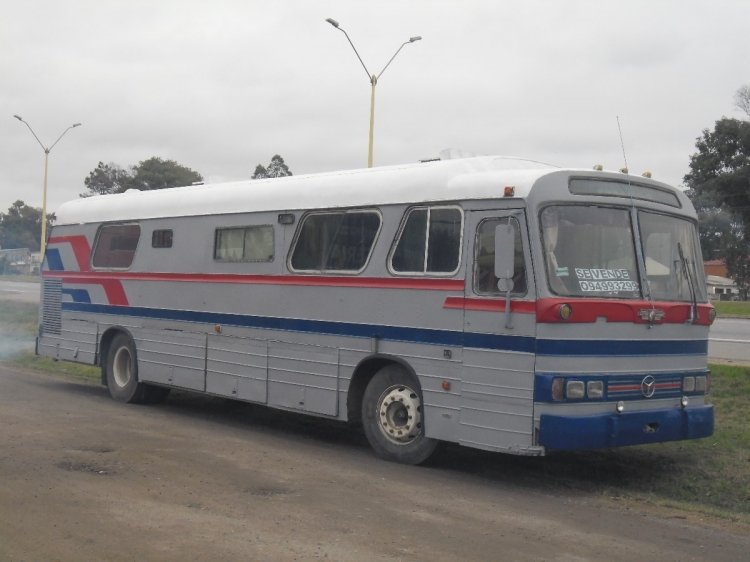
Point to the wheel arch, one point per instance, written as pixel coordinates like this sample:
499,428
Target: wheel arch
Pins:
363,373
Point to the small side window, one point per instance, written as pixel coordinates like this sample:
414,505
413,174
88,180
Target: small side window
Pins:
429,242
115,246
161,239
335,241
248,243
485,282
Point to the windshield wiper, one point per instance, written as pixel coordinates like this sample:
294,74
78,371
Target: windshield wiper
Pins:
693,318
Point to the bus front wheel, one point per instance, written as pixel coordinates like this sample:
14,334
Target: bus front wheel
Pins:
393,418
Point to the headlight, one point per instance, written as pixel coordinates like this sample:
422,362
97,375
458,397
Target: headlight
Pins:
688,384
574,390
700,384
595,389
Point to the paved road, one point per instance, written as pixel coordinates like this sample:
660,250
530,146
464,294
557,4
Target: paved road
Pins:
729,340
19,291
198,478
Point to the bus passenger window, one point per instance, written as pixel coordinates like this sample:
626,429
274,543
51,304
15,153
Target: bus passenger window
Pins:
248,243
115,246
335,241
485,282
429,242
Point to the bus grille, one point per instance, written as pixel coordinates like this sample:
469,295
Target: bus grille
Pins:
52,307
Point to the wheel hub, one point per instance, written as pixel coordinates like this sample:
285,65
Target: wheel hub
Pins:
400,414
122,367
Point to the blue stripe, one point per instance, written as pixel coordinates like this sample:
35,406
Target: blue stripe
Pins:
54,261
609,348
524,344
78,295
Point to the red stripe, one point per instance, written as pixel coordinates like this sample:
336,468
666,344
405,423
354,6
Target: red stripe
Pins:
623,387
489,305
81,249
299,280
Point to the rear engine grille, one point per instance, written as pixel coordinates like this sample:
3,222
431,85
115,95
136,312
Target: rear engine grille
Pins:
52,307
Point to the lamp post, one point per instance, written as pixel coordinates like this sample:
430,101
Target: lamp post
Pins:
47,150
373,80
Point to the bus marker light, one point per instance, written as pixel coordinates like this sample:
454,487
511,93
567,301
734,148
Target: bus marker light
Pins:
509,191
595,389
217,328
446,385
684,401
566,311
711,315
620,407
558,387
574,390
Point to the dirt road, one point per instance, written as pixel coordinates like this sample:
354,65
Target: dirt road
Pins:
197,478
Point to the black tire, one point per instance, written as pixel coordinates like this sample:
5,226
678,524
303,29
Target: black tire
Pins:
392,417
122,371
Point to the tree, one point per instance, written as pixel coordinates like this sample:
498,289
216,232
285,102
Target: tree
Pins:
21,227
106,179
742,99
736,251
719,182
720,170
276,169
154,173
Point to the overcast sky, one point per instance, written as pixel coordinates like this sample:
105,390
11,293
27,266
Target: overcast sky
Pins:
221,86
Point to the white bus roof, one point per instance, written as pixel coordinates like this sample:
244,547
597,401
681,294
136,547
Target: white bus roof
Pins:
445,180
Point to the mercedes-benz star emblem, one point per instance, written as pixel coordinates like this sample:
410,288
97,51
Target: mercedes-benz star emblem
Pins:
648,386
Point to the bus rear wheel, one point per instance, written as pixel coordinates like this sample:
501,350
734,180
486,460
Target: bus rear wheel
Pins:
122,374
393,419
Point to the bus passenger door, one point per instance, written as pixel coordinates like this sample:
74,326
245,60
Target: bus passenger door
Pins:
498,360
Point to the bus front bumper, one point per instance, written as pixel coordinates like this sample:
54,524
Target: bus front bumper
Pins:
568,433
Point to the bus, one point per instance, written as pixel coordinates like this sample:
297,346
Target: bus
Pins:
493,302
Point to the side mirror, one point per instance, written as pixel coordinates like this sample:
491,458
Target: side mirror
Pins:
505,250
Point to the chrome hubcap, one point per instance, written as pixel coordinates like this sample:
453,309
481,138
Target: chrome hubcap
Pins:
400,414
122,367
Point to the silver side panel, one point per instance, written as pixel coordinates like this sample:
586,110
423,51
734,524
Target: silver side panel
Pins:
77,341
171,357
497,399
237,367
303,377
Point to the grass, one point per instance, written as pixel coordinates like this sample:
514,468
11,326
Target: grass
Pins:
732,308
710,475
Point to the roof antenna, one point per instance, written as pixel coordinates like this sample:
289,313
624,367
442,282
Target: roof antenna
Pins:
622,144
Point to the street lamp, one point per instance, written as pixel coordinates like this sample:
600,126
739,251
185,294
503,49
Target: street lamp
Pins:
47,150
372,78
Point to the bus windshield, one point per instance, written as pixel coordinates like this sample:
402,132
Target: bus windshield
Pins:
671,253
590,251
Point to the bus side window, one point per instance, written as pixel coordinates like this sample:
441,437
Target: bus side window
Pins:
429,242
115,246
335,241
485,282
